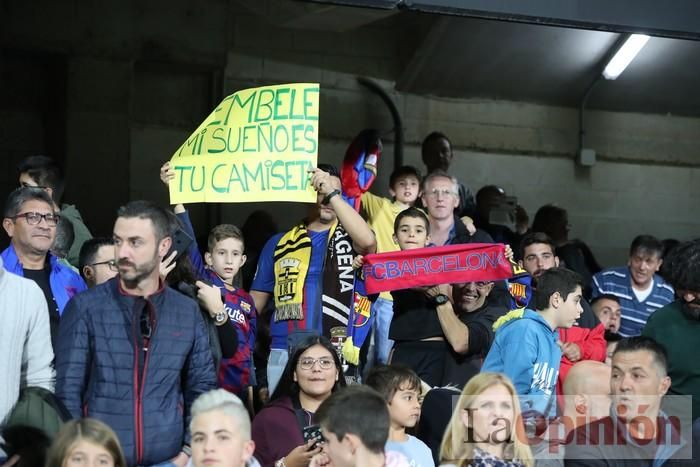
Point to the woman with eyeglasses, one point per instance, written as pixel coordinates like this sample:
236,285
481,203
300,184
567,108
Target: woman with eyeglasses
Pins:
284,431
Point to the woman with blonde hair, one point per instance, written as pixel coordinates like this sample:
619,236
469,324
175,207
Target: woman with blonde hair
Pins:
486,428
85,443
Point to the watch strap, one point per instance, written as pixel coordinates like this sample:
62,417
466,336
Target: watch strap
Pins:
327,198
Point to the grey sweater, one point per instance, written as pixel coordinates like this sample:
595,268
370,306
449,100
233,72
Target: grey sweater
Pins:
25,341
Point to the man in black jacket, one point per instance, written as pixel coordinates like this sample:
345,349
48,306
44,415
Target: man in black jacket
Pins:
133,352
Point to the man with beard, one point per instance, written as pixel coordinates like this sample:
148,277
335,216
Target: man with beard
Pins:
308,272
537,253
133,352
640,290
677,325
30,221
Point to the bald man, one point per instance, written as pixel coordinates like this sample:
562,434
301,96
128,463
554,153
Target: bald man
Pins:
586,398
587,393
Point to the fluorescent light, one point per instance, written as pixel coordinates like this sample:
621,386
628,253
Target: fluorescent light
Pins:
625,55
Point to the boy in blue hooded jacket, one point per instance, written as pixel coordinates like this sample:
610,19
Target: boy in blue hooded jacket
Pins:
526,346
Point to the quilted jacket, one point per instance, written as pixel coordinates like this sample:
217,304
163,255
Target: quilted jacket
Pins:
103,370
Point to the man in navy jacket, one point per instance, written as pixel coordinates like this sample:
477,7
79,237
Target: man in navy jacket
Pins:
133,352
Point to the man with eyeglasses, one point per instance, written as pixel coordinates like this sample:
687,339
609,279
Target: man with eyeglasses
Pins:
30,222
437,155
441,199
42,172
97,264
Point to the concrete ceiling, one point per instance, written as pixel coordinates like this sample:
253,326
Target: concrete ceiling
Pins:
467,57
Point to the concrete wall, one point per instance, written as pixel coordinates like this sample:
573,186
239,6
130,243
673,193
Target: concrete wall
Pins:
132,94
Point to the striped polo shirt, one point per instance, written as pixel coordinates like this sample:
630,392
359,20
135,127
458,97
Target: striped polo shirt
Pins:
618,282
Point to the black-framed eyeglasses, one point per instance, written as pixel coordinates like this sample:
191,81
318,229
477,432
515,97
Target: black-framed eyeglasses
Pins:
111,264
34,218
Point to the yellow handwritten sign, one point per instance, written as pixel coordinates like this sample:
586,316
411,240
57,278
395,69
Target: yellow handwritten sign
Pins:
257,145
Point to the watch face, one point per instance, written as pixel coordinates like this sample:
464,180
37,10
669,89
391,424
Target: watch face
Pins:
441,299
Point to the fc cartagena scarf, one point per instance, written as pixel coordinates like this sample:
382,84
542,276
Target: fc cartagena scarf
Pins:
291,264
450,264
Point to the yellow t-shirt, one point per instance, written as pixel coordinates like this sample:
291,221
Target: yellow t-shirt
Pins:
381,213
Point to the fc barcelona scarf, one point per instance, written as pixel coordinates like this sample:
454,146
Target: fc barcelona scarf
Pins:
520,288
359,322
450,264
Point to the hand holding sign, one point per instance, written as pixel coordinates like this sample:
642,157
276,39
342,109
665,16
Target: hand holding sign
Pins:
167,174
322,181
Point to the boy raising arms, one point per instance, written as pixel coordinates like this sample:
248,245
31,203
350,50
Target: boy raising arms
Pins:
415,327
401,388
231,308
404,188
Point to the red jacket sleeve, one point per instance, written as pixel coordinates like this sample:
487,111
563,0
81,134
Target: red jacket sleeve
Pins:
590,341
594,346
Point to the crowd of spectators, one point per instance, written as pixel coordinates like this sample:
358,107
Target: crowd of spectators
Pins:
149,351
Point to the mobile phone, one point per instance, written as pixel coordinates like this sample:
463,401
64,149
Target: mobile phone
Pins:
313,432
181,242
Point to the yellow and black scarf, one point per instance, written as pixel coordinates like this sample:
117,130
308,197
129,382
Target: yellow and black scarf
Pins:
291,264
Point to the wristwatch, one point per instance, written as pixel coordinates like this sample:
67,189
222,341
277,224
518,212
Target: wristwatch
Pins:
220,317
327,198
440,299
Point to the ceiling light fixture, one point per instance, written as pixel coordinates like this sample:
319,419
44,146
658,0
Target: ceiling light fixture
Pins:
624,55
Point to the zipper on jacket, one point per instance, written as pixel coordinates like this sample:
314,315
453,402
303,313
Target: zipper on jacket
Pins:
141,345
137,395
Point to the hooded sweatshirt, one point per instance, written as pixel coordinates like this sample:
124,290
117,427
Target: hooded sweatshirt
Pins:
526,350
